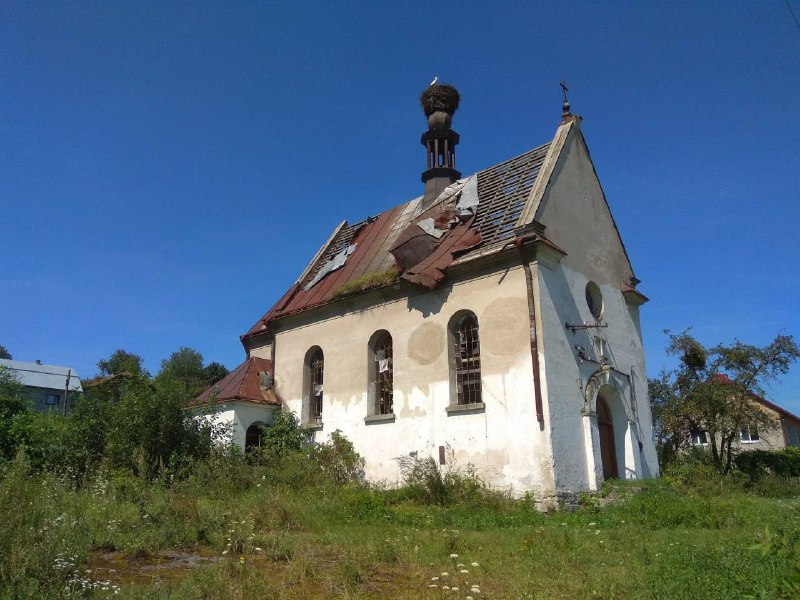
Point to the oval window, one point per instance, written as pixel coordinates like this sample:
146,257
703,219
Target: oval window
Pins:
594,299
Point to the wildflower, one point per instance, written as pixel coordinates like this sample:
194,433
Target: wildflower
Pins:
469,598
475,564
445,573
433,585
592,524
454,589
463,571
434,579
454,556
460,565
224,552
257,549
445,587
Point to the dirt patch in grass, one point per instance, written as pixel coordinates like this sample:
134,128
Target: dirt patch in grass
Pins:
166,567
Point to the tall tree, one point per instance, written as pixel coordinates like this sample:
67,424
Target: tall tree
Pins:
186,366
214,372
122,362
5,353
713,391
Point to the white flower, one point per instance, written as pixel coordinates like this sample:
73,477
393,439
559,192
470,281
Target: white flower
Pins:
469,598
445,587
475,564
463,571
445,573
454,556
433,585
592,524
454,589
434,579
460,565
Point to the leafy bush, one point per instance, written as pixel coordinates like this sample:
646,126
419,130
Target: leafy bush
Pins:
424,480
338,460
285,435
781,463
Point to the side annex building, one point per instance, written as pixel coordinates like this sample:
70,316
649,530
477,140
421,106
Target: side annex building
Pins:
494,321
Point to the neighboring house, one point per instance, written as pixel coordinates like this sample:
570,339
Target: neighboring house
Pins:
784,434
47,386
492,321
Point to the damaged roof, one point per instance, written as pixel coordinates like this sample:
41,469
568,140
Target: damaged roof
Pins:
244,383
370,247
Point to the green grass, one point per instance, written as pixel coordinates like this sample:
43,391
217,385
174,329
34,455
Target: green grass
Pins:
262,532
367,282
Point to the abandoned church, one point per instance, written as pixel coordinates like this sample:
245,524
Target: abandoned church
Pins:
493,321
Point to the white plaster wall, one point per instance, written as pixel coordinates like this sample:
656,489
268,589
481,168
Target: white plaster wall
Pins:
578,219
239,416
504,442
562,300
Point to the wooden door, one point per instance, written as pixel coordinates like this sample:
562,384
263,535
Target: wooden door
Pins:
608,446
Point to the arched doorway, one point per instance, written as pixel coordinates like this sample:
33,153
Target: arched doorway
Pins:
253,436
608,444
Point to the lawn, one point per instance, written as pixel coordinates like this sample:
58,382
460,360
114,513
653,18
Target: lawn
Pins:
245,532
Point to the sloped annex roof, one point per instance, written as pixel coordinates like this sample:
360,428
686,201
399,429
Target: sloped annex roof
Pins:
502,192
33,374
243,383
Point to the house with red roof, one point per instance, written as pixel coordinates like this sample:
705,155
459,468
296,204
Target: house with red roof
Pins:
491,321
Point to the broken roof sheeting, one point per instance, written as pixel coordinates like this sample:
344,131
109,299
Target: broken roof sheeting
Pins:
243,383
502,193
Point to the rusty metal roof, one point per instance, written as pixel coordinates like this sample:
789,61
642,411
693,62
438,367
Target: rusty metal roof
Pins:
243,383
502,192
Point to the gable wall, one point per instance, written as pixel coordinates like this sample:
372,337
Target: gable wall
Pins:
562,300
504,441
578,220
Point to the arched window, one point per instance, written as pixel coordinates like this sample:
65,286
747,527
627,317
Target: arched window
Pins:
313,380
465,354
381,376
253,436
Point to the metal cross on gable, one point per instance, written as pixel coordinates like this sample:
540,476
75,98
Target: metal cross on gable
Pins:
564,89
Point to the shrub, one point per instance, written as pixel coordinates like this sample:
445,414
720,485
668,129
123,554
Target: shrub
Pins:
425,480
285,435
338,460
781,463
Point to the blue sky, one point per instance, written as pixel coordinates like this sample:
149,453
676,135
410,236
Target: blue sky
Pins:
167,169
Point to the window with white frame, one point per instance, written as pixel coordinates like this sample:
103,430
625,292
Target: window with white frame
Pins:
700,438
749,435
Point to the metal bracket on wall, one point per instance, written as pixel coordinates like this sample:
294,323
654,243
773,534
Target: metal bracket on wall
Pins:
576,326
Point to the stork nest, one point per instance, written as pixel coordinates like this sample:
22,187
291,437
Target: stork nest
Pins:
443,98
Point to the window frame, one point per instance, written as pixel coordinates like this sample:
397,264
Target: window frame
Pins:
464,353
57,399
749,434
696,441
313,375
380,383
